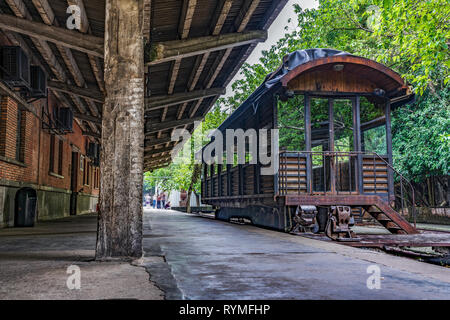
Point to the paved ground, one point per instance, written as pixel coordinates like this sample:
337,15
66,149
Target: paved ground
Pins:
34,262
209,259
198,258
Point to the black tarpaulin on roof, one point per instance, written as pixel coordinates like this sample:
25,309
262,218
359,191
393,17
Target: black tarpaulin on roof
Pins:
290,62
299,57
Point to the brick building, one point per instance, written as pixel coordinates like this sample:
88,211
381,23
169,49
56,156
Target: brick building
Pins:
43,166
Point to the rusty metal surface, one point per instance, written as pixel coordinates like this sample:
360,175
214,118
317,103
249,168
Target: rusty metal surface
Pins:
339,222
406,240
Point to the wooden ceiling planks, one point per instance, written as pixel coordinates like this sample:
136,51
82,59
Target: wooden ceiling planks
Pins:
165,20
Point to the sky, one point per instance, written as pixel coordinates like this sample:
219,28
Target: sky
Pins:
275,32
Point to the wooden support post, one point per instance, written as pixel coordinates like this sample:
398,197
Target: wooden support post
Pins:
332,159
122,159
257,166
389,148
229,189
219,180
308,143
276,176
211,180
357,144
241,179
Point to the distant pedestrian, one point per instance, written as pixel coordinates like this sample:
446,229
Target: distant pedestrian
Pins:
163,200
158,202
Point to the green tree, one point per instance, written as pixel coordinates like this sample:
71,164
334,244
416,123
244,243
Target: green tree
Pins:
410,36
184,172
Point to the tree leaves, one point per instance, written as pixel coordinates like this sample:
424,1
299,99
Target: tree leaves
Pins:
410,36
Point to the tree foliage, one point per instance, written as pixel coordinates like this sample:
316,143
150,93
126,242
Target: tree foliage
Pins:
410,36
179,174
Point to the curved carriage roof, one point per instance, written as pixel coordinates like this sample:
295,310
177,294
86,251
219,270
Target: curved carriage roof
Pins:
302,61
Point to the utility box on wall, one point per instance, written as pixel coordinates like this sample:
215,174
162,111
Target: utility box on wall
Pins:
38,82
16,67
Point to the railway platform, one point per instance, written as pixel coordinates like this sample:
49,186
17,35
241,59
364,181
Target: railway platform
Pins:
212,259
192,257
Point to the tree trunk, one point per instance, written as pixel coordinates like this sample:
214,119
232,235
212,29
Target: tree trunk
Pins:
120,217
195,175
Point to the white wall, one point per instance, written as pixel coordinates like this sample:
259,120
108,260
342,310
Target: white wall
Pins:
174,198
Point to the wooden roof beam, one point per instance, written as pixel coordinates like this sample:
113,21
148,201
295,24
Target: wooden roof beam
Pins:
186,18
160,166
20,10
92,134
177,49
166,125
86,117
147,14
184,27
84,21
158,102
93,60
246,12
157,159
81,92
48,16
148,154
72,39
155,142
222,10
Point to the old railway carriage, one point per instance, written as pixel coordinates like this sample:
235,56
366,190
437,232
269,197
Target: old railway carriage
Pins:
333,115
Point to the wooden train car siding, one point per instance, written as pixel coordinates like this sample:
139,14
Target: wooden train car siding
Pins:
353,177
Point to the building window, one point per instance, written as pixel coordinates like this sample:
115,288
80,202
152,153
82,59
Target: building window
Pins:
88,174
81,163
60,157
52,153
84,171
96,178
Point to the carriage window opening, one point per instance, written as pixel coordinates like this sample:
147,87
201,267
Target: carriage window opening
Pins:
291,124
374,140
320,137
202,176
224,159
235,160
373,127
248,157
343,125
344,162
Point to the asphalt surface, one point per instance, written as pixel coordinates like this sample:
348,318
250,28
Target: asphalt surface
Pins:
191,257
35,263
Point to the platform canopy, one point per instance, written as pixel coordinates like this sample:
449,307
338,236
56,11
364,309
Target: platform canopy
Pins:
193,50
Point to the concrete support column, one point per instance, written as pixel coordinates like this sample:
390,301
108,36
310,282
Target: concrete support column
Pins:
120,219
